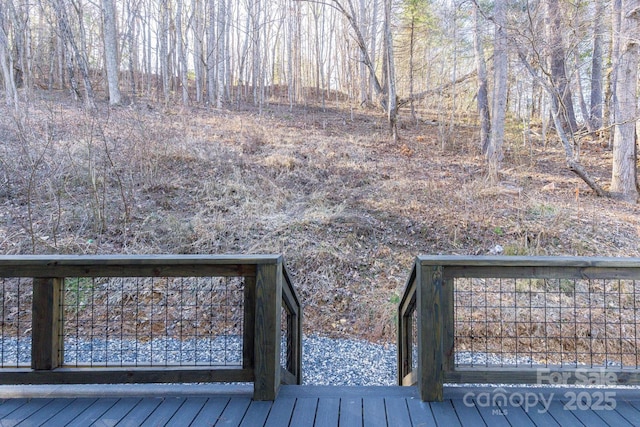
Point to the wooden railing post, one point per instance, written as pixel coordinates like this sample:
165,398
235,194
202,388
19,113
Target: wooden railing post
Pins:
267,330
46,347
430,332
249,322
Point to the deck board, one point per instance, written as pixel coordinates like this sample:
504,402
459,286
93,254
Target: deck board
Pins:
306,406
93,412
304,413
397,412
187,412
350,411
373,412
211,411
76,407
469,416
117,412
140,413
24,411
327,412
256,414
47,411
163,412
234,412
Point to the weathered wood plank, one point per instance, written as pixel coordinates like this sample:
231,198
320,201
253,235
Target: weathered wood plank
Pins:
540,417
528,261
281,412
611,418
92,413
24,411
627,410
562,415
493,416
211,411
430,329
444,414
117,412
350,412
397,412
132,265
328,412
47,412
11,405
187,412
469,416
421,414
140,412
46,327
304,413
125,375
163,412
234,412
517,416
257,413
249,327
71,411
267,331
374,413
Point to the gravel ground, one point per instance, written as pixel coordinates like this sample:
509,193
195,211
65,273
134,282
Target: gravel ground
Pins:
325,361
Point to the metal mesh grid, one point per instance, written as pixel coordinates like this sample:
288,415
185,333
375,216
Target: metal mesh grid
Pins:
15,346
285,357
546,322
153,321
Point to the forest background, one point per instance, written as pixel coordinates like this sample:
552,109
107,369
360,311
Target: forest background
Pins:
349,135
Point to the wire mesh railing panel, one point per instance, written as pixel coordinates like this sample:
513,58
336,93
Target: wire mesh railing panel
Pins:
16,300
546,322
166,321
285,349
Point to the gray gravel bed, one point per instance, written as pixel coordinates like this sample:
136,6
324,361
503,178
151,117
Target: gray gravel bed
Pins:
325,361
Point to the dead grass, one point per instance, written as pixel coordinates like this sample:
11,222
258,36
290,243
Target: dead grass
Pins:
348,208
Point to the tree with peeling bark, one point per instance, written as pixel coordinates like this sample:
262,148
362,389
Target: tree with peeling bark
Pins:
624,178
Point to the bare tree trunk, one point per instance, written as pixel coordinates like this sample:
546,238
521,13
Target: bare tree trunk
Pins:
198,37
132,41
500,59
584,110
221,53
163,36
616,19
373,45
558,65
78,53
624,173
10,90
182,55
364,75
111,51
595,117
392,106
483,95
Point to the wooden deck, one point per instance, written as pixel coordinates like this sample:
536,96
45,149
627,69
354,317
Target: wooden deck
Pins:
208,405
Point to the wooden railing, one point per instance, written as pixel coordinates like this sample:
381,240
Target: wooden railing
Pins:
542,320
266,295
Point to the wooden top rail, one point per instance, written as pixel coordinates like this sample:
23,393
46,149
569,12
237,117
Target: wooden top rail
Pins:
133,265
